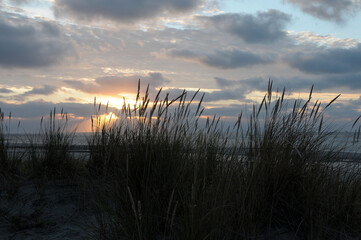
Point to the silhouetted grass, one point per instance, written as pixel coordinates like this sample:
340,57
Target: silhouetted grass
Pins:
167,176
49,155
161,170
10,160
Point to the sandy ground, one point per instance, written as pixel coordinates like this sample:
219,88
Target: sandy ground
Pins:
53,211
35,211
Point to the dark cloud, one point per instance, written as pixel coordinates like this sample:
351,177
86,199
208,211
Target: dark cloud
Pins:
233,59
29,44
228,111
339,60
349,81
184,53
256,83
44,91
230,89
50,29
72,99
330,83
31,112
19,2
37,109
330,10
121,10
340,112
224,94
264,27
238,89
5,90
261,83
223,59
344,115
114,85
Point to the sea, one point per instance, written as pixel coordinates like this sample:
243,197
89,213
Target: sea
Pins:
351,146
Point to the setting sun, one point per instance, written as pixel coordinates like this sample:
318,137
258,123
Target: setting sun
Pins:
118,102
104,119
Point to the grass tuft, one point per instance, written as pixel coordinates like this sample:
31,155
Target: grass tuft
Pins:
50,156
162,170
166,175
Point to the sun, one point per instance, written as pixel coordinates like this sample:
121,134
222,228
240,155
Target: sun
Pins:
108,117
118,102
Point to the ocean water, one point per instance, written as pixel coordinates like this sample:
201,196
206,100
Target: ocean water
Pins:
346,140
335,140
26,139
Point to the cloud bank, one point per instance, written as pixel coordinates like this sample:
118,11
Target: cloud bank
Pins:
330,10
114,85
5,90
19,2
29,44
44,90
264,27
121,10
329,60
223,59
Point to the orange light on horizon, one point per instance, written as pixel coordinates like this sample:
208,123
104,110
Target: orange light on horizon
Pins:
118,103
106,118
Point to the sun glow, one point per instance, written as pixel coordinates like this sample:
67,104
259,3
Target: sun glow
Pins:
118,103
104,119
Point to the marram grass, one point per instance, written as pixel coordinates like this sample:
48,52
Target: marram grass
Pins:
167,176
161,171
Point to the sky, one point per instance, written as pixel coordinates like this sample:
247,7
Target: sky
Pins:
63,53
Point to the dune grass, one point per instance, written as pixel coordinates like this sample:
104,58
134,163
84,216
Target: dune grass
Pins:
161,170
168,176
49,156
10,160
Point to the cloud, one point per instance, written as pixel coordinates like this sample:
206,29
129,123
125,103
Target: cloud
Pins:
255,83
121,10
350,81
5,90
114,85
328,40
44,90
330,83
37,109
329,60
31,112
228,111
330,10
264,27
184,53
224,94
72,99
19,2
29,44
230,89
233,59
342,111
223,59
